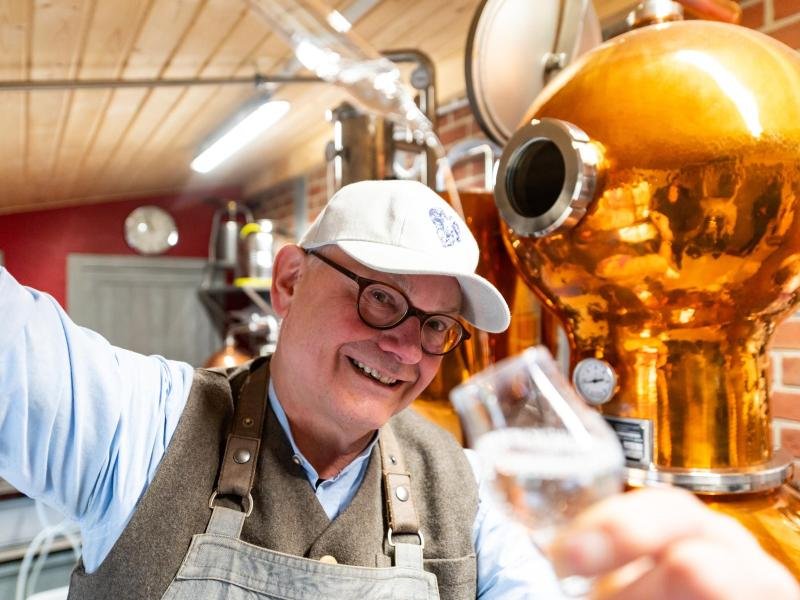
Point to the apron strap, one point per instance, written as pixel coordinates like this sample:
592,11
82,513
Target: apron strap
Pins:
241,450
403,519
226,521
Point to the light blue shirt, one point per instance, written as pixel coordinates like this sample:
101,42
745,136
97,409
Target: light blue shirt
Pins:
84,426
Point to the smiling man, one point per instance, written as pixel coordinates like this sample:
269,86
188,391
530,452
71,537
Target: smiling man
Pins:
375,338
301,476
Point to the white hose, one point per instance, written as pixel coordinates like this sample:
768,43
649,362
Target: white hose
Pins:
40,548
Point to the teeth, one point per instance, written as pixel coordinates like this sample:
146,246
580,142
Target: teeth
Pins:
374,374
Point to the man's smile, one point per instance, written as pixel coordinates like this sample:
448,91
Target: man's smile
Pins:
373,373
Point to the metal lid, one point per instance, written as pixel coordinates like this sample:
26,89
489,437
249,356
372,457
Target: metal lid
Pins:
514,47
764,477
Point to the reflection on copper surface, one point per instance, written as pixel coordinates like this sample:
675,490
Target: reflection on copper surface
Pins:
772,517
228,356
731,87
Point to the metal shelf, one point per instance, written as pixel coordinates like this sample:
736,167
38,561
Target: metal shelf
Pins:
223,302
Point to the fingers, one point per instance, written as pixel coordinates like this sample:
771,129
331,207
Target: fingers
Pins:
641,523
665,544
708,570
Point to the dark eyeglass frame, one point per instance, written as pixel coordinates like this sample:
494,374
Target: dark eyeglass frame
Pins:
411,310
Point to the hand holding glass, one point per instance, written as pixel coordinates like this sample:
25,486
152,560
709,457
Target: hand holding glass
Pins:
546,455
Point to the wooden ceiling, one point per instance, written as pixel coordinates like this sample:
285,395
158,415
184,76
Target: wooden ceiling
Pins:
76,146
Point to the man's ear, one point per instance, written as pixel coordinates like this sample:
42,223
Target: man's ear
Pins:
286,270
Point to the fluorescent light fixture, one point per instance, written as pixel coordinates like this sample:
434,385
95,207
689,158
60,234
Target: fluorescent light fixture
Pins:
245,131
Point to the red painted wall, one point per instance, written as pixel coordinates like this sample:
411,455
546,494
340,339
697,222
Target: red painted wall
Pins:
36,244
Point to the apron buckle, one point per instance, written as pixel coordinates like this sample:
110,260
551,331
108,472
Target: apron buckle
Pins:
247,503
417,533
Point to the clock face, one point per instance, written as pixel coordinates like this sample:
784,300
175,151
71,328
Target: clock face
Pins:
595,380
150,230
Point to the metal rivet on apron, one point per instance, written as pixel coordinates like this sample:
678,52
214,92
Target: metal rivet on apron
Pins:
393,458
329,560
402,493
241,456
247,422
296,459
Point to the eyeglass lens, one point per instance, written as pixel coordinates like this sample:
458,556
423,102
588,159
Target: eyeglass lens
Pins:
383,307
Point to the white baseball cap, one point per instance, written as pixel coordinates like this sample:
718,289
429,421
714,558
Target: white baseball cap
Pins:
404,227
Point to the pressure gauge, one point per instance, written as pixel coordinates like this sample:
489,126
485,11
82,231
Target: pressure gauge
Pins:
595,380
150,230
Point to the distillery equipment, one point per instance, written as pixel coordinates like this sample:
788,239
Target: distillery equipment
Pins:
255,254
514,48
370,145
223,244
235,286
650,197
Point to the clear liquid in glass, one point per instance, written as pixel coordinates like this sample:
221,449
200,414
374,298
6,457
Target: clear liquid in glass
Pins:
543,478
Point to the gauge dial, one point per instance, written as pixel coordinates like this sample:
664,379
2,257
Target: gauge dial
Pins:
150,230
595,380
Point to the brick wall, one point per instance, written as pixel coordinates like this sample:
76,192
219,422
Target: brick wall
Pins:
777,18
277,203
781,20
457,124
785,357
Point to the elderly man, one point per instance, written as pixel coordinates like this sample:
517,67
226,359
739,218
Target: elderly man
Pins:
302,476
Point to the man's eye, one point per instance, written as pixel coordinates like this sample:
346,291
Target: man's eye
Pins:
381,296
437,325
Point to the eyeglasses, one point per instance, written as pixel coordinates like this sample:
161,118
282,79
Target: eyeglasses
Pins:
382,306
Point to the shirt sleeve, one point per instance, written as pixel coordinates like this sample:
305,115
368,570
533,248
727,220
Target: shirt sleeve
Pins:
510,567
83,424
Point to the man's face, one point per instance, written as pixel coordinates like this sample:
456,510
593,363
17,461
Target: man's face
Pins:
336,370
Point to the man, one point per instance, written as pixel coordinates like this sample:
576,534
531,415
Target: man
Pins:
302,476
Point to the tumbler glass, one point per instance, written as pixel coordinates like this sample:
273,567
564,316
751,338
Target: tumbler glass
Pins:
546,455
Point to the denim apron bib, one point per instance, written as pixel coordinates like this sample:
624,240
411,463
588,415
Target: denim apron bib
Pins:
219,565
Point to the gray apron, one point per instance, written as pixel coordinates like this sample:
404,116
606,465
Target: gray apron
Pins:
219,565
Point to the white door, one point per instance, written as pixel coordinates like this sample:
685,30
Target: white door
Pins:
148,305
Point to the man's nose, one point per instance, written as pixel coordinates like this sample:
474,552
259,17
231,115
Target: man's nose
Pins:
404,341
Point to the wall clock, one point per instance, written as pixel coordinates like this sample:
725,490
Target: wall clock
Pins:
150,230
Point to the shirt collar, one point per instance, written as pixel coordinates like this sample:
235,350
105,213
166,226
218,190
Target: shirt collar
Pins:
297,456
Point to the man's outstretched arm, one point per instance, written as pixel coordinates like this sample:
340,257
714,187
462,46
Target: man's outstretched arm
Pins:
83,424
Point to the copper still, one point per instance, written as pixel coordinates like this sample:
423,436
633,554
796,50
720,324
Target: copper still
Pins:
652,199
228,356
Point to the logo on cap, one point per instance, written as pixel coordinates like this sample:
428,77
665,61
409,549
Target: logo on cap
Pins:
446,227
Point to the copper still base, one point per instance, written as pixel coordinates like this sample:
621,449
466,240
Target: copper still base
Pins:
773,517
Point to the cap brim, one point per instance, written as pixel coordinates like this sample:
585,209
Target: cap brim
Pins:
483,305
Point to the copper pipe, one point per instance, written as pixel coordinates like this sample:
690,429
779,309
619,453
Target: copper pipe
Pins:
726,11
